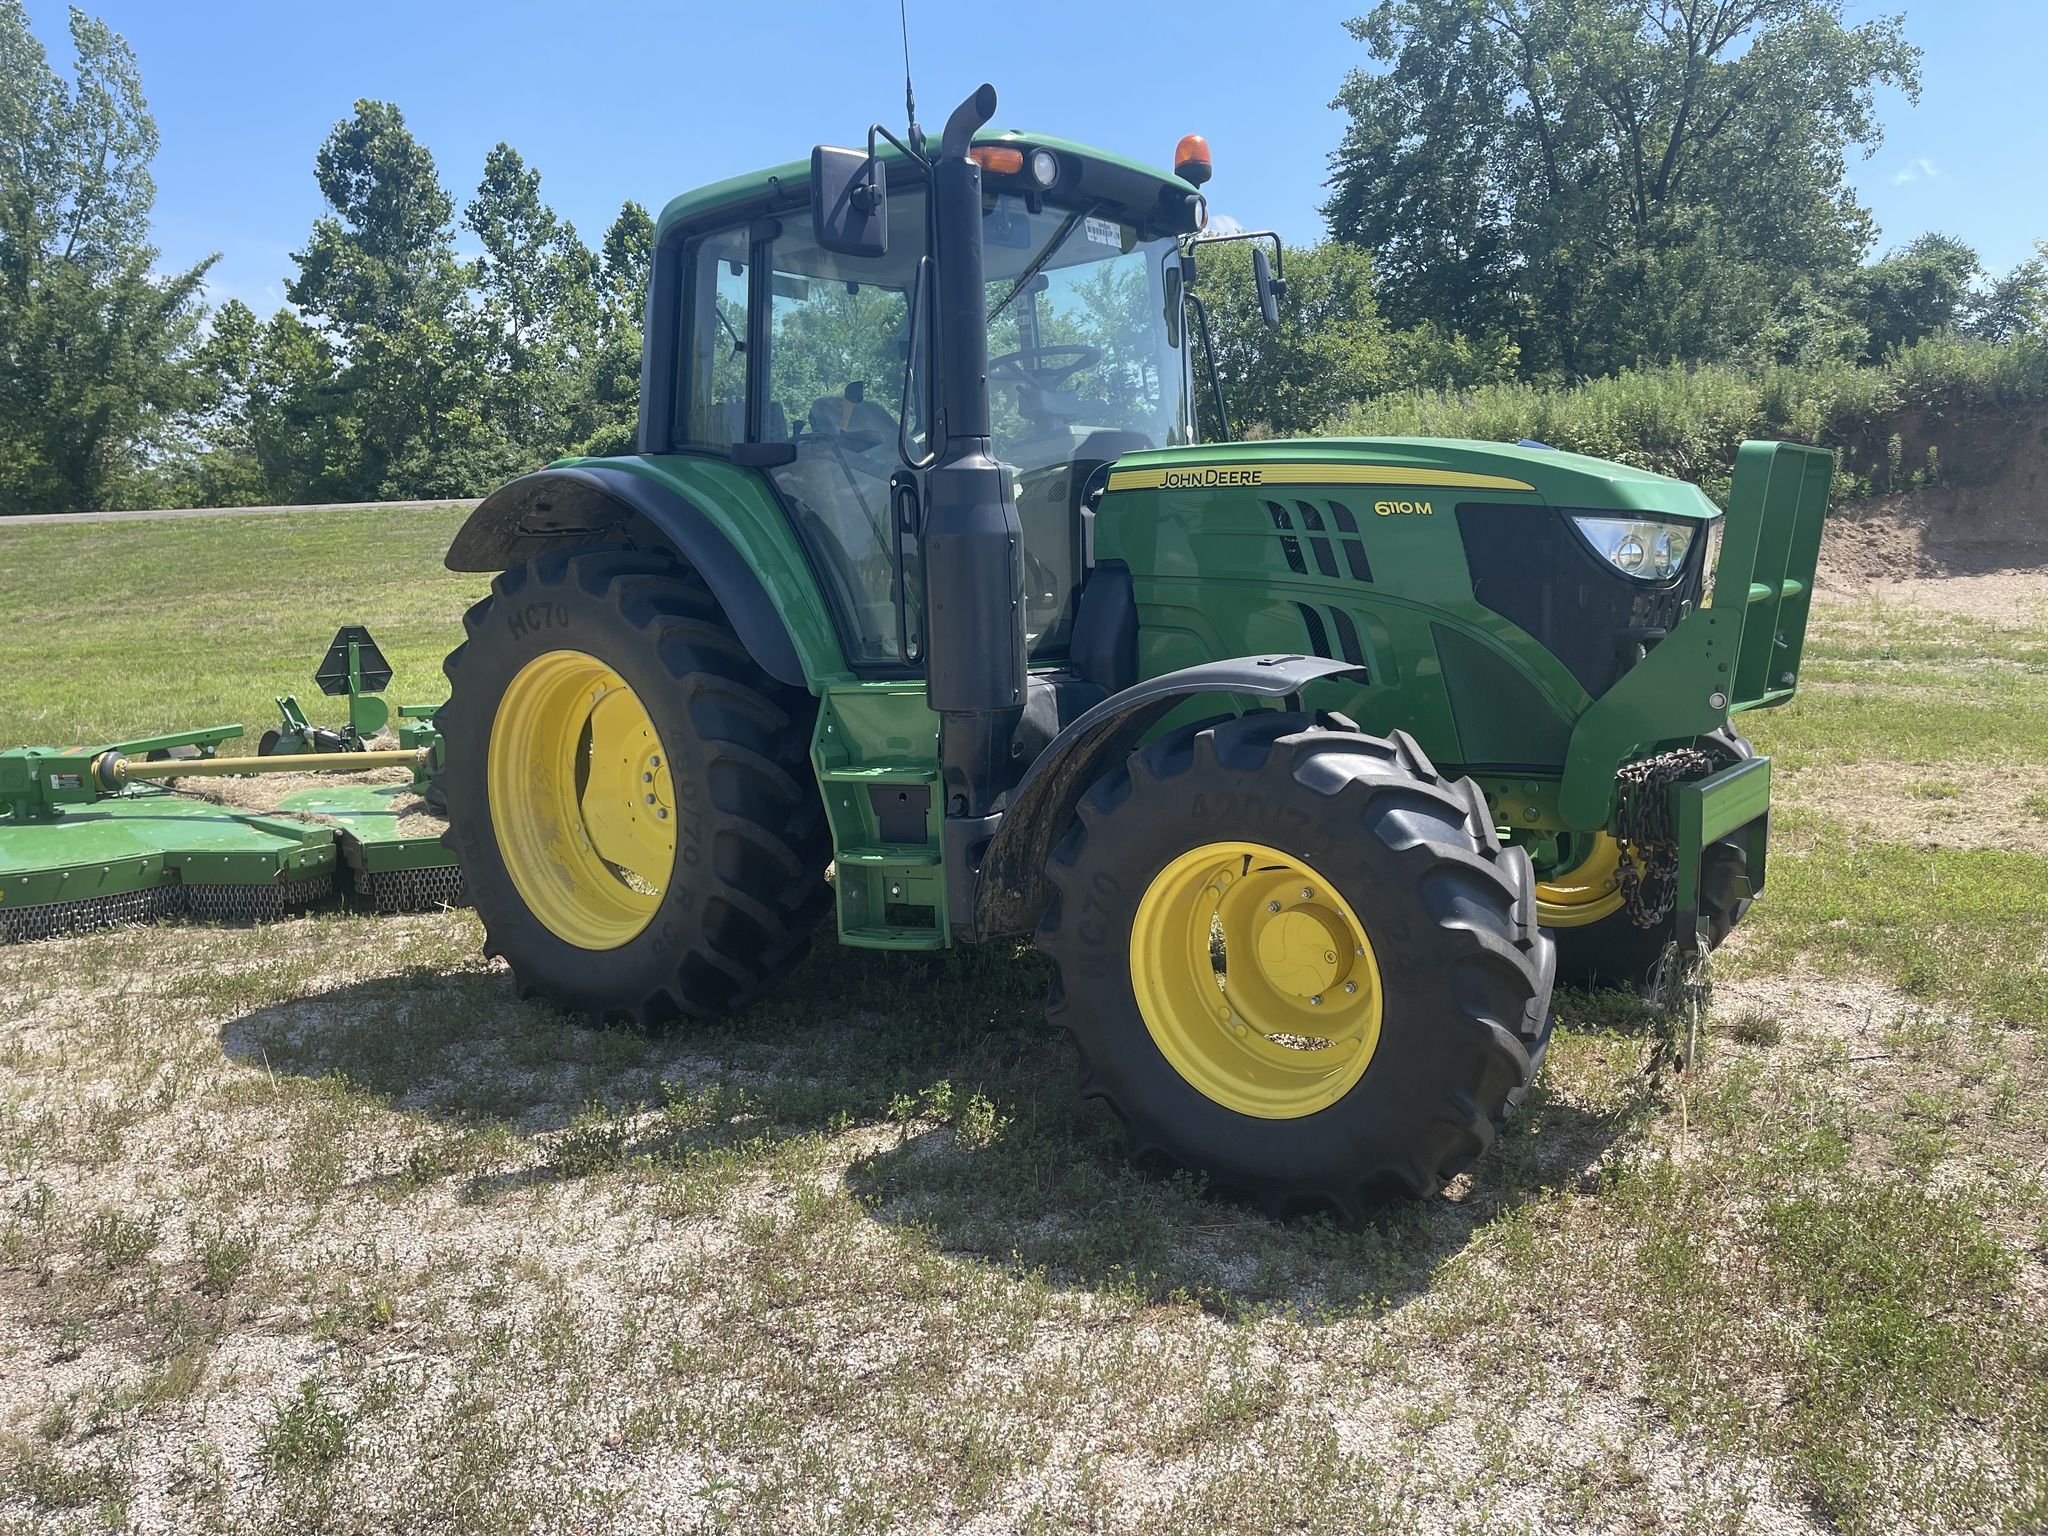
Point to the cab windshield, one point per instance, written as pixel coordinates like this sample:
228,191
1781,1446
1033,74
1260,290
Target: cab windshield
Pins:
1087,362
1083,334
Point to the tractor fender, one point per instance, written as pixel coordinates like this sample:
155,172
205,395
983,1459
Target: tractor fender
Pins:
563,508
1013,887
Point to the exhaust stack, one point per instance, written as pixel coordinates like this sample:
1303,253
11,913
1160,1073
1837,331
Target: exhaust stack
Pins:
973,544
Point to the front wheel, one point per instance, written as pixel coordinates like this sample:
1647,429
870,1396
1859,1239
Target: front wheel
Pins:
1299,962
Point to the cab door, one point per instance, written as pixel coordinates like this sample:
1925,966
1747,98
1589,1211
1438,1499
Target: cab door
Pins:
800,364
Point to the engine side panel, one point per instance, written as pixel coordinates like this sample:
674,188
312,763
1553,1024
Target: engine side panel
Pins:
1374,575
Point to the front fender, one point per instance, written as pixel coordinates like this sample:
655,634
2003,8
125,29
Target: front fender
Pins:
565,506
1013,888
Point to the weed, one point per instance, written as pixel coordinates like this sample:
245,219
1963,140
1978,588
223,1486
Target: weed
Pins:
1934,789
1755,1026
119,1240
224,1254
594,1142
54,1482
307,1436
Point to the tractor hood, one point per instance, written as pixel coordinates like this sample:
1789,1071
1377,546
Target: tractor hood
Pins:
1546,476
1482,587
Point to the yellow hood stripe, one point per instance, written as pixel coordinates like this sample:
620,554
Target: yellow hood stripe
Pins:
1228,476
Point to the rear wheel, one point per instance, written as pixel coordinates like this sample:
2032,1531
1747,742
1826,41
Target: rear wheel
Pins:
1298,961
629,796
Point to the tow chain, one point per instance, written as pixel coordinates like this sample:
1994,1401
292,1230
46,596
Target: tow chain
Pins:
1649,843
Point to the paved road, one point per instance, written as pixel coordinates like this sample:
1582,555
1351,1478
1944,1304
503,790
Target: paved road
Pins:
143,517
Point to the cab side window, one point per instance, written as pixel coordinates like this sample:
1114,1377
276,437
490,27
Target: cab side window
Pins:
714,390
838,343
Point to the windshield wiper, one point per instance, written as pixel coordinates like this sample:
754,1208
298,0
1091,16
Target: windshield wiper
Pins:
1059,238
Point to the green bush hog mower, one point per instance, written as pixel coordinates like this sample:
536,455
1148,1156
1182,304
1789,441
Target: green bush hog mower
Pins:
1309,763
94,837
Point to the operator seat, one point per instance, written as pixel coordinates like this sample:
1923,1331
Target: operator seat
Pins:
851,411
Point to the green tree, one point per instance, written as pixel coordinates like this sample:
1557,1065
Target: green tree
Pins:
1331,349
2015,305
94,348
1613,180
279,430
1915,292
627,258
380,280
538,306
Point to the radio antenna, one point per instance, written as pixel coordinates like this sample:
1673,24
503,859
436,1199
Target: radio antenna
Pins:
909,96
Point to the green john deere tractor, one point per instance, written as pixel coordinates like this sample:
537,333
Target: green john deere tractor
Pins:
1309,763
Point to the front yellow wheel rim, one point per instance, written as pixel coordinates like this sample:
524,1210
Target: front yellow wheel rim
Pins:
1585,893
1256,980
582,800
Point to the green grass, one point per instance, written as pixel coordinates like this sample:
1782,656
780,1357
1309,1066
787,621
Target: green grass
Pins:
1892,699
129,628
320,1226
1963,927
1886,690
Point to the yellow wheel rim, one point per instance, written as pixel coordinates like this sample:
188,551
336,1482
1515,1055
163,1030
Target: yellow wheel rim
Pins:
1585,893
581,800
1256,980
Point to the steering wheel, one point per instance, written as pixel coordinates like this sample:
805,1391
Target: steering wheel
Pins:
1028,365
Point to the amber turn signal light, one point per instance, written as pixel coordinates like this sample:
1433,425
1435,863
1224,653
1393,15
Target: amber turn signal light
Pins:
997,159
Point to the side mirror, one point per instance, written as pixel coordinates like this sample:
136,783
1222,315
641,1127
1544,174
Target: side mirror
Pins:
849,202
1269,291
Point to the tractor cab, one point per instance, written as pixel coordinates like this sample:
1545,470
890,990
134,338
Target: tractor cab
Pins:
817,359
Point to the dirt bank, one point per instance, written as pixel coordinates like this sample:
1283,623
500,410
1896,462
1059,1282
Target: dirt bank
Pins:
1979,549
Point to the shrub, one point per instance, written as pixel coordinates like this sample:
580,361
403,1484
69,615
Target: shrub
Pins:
1913,409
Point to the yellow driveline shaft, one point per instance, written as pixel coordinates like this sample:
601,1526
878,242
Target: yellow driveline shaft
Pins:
115,771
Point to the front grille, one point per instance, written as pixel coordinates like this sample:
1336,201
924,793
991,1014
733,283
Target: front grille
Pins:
1530,566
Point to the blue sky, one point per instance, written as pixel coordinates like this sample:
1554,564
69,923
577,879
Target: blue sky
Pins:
645,98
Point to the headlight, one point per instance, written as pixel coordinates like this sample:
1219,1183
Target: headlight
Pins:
1649,551
1045,167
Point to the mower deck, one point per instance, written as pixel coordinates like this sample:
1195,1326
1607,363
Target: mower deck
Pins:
394,866
150,853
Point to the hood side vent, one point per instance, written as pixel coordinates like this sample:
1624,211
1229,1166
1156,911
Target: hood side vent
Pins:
1318,638
1289,544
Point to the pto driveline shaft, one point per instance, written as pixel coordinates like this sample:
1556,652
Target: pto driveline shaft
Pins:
114,772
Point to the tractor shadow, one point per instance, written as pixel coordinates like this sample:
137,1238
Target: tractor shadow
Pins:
928,1088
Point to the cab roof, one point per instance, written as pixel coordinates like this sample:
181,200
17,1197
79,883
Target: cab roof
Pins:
795,177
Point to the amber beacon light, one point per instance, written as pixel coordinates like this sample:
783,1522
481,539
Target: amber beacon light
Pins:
1191,162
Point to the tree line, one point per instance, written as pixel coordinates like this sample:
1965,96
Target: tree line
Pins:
1524,192
397,370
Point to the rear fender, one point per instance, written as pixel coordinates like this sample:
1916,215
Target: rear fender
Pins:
571,506
1013,888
